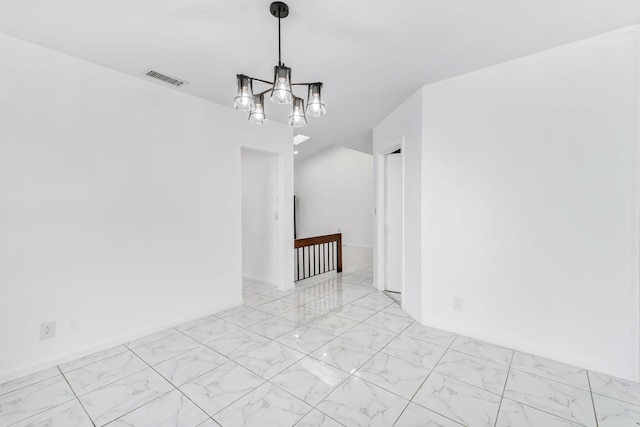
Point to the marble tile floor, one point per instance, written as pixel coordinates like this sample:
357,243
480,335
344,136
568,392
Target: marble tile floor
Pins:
334,352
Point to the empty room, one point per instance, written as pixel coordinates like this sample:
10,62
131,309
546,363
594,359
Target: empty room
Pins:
319,213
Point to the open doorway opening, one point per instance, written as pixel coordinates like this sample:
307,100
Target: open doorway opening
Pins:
393,225
260,216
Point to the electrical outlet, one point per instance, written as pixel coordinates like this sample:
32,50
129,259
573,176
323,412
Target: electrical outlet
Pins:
458,304
48,330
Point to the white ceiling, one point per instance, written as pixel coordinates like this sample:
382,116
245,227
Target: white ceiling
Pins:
371,55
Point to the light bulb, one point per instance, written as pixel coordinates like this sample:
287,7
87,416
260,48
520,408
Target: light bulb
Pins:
257,115
297,118
244,97
315,107
281,92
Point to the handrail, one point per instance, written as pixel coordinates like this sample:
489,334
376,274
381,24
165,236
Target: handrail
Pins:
319,254
308,241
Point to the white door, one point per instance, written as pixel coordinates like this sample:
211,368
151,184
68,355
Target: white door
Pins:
393,226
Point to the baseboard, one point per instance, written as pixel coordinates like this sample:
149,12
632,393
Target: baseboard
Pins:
259,279
76,354
410,313
562,358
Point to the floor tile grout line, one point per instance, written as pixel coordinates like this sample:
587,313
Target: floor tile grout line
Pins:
352,374
336,336
295,397
574,421
465,383
133,350
458,380
230,360
276,337
325,314
221,335
77,398
593,402
140,406
562,417
126,344
174,356
306,403
425,380
482,357
163,394
245,394
204,373
29,385
349,374
268,380
97,361
354,326
111,382
279,372
504,388
315,407
13,423
50,408
357,324
635,405
555,381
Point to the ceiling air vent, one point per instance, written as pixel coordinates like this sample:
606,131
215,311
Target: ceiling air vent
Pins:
163,77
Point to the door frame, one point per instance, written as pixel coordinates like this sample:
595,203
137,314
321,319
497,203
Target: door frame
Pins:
284,239
381,217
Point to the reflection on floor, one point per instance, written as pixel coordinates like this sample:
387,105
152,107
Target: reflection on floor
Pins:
332,352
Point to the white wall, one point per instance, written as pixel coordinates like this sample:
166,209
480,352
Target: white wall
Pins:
334,189
530,212
259,215
402,128
529,206
529,176
120,206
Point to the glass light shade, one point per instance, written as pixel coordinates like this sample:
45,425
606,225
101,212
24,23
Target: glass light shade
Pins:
297,118
281,92
257,115
244,98
315,107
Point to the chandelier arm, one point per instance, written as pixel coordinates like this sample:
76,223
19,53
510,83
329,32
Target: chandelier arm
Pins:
303,84
260,80
264,91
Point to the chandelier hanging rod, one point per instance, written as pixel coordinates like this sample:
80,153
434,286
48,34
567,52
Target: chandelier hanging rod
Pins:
280,12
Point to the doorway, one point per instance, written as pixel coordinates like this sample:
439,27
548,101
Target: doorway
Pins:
393,225
260,216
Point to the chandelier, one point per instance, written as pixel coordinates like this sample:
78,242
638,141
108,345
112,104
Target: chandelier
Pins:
280,88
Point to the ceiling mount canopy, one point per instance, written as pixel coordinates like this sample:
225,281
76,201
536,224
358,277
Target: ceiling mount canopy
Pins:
279,9
281,88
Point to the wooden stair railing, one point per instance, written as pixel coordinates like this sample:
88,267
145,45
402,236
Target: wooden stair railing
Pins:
318,255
